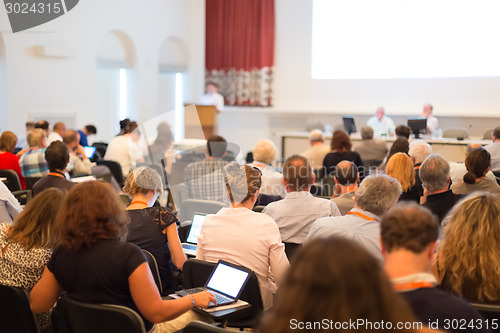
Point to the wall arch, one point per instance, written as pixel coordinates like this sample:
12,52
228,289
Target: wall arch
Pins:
173,55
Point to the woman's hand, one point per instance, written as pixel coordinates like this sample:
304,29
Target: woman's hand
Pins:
202,300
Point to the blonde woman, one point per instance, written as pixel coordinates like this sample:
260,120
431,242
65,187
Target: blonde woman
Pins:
401,168
468,258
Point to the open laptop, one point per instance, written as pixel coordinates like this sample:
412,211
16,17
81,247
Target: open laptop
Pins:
226,283
189,247
89,151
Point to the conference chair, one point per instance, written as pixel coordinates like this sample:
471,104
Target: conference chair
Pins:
291,248
14,185
15,312
101,148
456,133
266,199
115,168
490,312
153,266
202,327
73,316
258,208
30,181
191,206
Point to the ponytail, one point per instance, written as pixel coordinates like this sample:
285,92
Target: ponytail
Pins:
470,177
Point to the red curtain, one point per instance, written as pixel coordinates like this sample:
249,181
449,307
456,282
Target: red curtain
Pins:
239,53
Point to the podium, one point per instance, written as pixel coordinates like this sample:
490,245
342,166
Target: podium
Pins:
200,121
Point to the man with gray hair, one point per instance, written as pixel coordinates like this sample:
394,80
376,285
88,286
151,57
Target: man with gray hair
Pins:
458,169
372,152
419,150
435,176
318,150
376,194
264,154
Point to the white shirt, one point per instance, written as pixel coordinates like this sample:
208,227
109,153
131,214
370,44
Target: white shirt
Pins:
9,206
213,99
245,238
316,154
296,213
432,124
494,150
125,151
54,136
272,180
383,127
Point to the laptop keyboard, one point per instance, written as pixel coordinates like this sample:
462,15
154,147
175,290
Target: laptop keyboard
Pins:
189,247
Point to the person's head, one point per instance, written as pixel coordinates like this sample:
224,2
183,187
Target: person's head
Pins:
216,146
123,125
337,279
8,141
60,128
408,226
165,137
478,164
366,133
377,193
212,87
131,126
90,129
316,136
243,183
30,125
470,250
340,141
419,150
37,138
403,131
71,138
298,174
91,211
44,125
57,156
495,135
401,168
35,226
143,180
346,173
435,173
427,110
264,151
379,113
470,147
400,145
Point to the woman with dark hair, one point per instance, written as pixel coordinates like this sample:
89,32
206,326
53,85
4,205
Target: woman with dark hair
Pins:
341,151
94,264
8,160
400,145
478,164
162,147
335,279
125,149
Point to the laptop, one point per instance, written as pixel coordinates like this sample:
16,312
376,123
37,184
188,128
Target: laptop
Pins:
89,151
189,247
226,283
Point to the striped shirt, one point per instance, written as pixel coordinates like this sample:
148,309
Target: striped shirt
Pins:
33,163
205,179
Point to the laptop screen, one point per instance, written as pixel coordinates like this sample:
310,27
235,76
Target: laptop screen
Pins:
195,230
227,280
89,151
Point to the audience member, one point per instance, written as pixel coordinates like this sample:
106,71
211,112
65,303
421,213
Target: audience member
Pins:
419,150
264,153
381,124
299,209
57,157
234,232
212,97
403,131
477,164
318,150
435,175
153,228
458,169
376,194
33,162
93,225
87,131
58,133
467,257
432,122
22,140
162,147
409,236
371,151
8,160
400,145
337,282
124,149
79,163
341,150
346,185
9,206
123,126
205,179
44,125
27,244
400,167
494,149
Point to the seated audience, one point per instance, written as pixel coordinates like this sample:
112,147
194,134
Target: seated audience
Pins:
162,147
299,209
467,257
318,150
9,206
205,179
403,131
22,140
494,149
27,244
346,185
435,176
341,151
43,125
401,168
234,233
8,160
93,264
458,169
400,145
264,154
419,150
409,236
125,149
335,281
57,133
477,164
57,157
33,162
79,163
87,131
153,228
381,124
376,194
124,123
372,152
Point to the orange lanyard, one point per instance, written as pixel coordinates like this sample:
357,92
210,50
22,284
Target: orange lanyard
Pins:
139,202
417,167
412,285
363,216
56,174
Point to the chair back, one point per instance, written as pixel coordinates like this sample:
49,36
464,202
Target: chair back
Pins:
196,273
456,133
258,208
153,266
191,206
202,327
101,148
115,168
80,317
12,182
291,248
30,181
266,199
490,312
15,312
